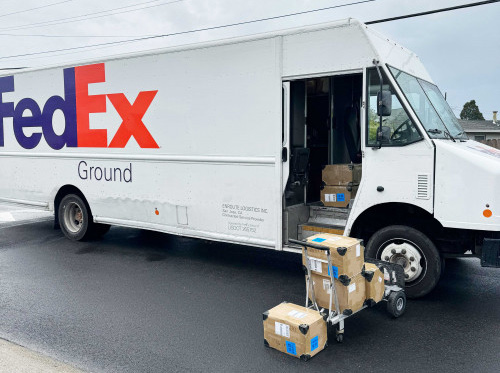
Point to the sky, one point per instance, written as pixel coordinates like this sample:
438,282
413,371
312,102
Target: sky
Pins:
460,49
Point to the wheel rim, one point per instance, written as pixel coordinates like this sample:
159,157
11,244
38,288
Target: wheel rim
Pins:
399,304
73,217
407,254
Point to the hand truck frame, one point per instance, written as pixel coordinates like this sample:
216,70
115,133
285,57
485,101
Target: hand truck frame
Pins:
394,294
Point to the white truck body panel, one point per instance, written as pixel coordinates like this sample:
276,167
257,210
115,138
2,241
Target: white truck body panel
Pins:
467,183
212,154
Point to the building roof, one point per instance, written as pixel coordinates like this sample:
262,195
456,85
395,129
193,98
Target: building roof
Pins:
479,126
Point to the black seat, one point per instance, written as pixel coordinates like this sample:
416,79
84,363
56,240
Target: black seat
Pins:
298,178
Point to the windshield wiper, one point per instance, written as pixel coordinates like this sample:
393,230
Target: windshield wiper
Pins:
449,135
437,131
434,130
460,135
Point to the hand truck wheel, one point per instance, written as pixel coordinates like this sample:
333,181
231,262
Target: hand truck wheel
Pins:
396,303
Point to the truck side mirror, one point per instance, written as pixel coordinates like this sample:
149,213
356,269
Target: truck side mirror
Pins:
384,103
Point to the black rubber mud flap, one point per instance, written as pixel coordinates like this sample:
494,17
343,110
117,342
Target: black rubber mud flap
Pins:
490,256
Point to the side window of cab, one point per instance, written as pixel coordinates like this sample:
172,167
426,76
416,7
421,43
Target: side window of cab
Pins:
398,129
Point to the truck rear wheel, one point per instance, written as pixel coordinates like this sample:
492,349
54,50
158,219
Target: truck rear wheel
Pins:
75,218
414,251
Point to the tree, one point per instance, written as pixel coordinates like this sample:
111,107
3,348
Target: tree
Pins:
471,111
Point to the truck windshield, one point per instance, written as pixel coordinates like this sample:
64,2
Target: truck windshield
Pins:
430,106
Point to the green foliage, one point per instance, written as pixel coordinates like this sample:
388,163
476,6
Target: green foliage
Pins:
471,111
373,124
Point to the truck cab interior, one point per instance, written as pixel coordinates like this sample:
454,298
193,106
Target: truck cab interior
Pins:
325,129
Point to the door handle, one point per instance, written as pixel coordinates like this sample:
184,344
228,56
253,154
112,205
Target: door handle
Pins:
284,154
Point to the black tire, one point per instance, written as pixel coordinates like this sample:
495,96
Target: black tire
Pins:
430,262
339,337
396,303
75,218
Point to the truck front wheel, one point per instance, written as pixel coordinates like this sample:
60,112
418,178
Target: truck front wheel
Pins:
414,251
74,217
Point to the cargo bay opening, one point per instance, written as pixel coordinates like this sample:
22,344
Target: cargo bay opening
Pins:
324,129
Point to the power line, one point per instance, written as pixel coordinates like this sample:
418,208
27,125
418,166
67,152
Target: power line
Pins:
432,12
38,7
190,31
74,36
93,15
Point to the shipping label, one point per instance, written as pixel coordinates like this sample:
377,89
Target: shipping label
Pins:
297,314
314,343
326,286
291,348
282,329
315,265
352,288
330,198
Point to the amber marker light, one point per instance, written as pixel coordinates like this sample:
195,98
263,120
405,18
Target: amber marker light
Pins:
157,212
487,213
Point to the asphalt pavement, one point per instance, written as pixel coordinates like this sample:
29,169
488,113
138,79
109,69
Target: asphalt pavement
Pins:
139,301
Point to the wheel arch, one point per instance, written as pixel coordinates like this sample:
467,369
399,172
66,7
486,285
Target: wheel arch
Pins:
63,191
395,213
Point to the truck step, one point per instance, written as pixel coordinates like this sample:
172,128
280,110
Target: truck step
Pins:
328,215
310,229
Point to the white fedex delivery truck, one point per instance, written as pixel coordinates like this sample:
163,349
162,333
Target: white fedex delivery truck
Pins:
226,141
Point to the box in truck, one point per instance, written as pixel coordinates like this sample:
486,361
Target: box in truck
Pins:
341,174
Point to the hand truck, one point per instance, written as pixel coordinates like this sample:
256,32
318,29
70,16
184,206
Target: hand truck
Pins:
394,293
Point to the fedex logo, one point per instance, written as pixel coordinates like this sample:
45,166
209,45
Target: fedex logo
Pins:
76,105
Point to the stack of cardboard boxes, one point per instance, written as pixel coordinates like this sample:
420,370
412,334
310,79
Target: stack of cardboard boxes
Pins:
347,260
302,332
340,184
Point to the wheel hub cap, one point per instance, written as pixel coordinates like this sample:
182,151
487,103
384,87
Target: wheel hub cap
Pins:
407,256
399,304
73,217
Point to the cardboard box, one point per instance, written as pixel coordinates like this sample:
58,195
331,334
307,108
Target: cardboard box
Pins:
351,296
346,253
374,284
341,174
295,330
394,274
338,196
